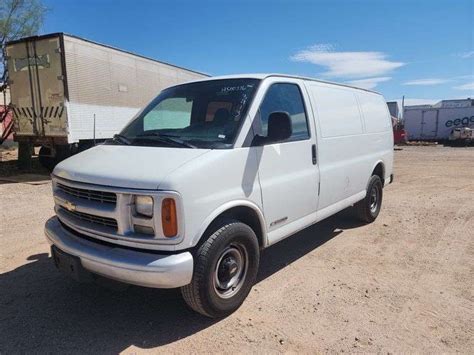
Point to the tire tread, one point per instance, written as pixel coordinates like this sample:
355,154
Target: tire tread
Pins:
190,292
361,208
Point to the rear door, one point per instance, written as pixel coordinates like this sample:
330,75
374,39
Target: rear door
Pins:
429,124
20,89
37,86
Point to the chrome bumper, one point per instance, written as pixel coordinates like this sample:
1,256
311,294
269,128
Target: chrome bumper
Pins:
125,265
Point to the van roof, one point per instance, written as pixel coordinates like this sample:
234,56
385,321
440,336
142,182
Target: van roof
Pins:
262,76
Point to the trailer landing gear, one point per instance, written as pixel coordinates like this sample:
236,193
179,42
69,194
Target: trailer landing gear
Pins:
25,151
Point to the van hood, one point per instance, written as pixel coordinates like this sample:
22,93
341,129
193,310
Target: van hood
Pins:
133,167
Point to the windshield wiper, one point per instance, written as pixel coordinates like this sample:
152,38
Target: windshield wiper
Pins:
166,139
121,138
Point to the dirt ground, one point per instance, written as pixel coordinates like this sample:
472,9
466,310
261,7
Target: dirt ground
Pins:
402,284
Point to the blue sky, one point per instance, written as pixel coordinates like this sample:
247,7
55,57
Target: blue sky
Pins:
421,49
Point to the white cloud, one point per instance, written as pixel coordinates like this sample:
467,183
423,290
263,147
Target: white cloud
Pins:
432,81
467,55
369,83
347,64
463,77
467,86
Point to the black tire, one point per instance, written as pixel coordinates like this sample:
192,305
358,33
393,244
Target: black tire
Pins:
45,158
368,209
48,161
213,265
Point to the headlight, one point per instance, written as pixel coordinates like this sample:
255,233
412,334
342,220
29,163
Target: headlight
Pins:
144,205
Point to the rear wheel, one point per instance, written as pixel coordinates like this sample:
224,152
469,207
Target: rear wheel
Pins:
225,270
368,209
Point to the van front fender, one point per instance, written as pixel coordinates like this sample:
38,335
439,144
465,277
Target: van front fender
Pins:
226,207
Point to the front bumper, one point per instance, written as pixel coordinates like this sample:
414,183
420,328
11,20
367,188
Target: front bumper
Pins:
125,265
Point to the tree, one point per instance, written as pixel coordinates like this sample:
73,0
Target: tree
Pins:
18,18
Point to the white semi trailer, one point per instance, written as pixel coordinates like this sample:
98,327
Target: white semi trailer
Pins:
67,92
436,122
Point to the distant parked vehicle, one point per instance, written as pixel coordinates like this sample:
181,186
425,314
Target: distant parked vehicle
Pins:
399,136
399,133
461,136
436,122
67,92
213,171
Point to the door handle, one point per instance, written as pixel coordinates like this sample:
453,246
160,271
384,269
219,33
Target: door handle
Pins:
313,153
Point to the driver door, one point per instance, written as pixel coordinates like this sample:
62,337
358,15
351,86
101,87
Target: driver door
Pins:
288,170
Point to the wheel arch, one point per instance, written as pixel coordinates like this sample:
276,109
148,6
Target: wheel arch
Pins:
379,170
244,211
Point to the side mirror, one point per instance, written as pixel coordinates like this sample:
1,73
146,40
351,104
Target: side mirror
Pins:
279,127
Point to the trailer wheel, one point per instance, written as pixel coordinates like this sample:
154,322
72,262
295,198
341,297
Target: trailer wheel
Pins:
225,269
48,161
368,209
45,158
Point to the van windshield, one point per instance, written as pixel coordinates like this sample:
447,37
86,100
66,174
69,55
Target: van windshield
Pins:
206,114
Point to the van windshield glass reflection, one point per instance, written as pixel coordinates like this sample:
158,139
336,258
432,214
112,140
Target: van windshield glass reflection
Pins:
205,114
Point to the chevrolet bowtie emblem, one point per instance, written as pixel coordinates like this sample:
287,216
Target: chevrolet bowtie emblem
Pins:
69,206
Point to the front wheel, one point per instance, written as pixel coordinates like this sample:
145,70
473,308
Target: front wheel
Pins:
225,269
368,209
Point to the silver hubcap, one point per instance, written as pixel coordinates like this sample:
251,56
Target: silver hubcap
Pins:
374,199
231,270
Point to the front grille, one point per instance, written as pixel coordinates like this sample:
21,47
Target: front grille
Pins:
86,194
105,221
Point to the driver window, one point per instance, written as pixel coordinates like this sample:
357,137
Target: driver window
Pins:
287,98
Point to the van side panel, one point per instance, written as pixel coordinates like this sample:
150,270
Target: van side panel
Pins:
342,151
339,114
374,111
349,144
378,125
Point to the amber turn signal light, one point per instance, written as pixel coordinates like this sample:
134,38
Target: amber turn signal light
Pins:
169,220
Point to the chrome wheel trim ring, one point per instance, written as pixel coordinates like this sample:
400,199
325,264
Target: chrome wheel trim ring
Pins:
374,199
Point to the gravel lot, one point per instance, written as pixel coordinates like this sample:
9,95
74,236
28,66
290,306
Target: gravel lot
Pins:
402,284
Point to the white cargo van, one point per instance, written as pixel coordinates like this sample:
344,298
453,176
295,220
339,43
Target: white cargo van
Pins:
210,173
